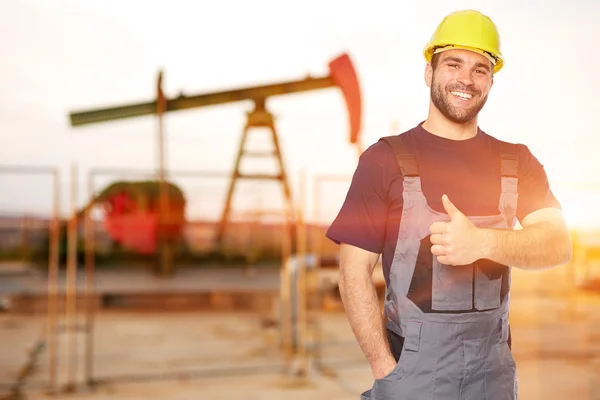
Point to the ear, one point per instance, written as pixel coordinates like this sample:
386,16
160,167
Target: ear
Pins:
428,74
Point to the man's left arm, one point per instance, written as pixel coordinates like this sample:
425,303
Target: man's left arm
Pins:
544,242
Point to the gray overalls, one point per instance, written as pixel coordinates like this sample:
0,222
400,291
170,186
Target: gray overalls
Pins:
453,319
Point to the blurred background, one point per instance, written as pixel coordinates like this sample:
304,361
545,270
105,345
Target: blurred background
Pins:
168,171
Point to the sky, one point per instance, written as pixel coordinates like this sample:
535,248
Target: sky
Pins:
68,55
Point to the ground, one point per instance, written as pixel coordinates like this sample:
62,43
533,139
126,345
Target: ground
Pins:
187,355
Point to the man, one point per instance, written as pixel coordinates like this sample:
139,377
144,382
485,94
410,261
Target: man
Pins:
440,203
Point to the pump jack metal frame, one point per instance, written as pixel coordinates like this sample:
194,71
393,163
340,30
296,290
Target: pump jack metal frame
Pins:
342,76
259,117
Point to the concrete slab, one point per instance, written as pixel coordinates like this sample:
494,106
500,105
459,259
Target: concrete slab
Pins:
187,355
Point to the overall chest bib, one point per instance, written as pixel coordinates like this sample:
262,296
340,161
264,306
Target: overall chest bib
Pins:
453,319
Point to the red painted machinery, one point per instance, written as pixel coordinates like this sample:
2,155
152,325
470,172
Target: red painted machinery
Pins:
132,214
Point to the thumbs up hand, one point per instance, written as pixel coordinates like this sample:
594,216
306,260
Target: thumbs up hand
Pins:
455,242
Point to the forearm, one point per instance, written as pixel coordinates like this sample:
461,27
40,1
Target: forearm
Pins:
364,315
539,246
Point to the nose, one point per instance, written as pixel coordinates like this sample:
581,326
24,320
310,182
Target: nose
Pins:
465,77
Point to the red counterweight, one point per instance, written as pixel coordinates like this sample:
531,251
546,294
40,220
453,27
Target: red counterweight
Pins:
343,74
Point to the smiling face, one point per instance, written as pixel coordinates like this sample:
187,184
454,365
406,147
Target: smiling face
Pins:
460,81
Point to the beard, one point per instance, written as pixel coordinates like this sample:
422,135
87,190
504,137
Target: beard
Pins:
441,99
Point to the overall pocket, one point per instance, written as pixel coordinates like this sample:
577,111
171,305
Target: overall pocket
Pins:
491,284
437,287
452,287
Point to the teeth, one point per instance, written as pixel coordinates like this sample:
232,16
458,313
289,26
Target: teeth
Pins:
462,95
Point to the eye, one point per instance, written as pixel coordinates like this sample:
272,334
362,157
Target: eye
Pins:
453,65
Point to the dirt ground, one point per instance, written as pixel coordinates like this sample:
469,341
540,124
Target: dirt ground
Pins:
556,345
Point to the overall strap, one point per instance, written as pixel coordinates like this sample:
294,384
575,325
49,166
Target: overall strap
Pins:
510,161
406,160
510,181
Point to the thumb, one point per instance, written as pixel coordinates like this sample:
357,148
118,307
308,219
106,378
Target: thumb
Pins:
450,207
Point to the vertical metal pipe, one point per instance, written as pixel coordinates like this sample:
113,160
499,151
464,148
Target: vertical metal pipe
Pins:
301,312
53,265
164,249
317,250
316,242
284,290
71,286
89,283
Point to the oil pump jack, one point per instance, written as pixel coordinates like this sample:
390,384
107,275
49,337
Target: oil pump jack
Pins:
341,75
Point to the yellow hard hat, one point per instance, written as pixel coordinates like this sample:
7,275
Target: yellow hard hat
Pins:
469,30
